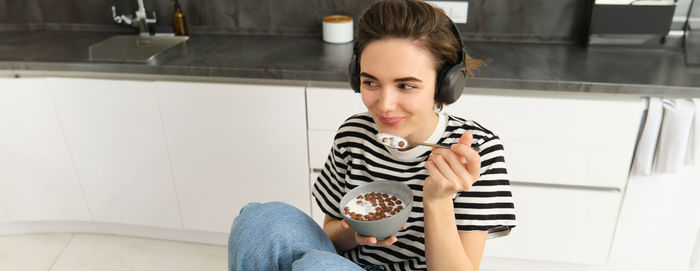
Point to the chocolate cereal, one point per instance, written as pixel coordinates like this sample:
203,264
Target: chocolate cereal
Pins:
373,206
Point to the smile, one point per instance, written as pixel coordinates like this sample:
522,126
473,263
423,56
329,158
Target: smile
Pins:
390,120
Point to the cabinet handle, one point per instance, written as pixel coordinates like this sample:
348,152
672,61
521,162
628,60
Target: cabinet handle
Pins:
567,186
546,185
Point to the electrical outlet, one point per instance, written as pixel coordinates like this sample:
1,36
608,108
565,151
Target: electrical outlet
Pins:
456,10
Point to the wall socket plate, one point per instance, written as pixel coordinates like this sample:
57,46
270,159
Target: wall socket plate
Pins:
456,10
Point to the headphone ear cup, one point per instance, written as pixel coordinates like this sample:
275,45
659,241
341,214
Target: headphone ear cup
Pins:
354,73
452,84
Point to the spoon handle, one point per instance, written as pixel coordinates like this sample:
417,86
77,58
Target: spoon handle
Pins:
434,145
441,146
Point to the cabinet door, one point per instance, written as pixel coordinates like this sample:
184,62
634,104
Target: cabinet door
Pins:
320,144
577,140
91,115
234,144
659,222
559,224
329,107
38,179
150,197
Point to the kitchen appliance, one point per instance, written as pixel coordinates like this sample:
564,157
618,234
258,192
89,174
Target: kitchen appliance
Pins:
630,22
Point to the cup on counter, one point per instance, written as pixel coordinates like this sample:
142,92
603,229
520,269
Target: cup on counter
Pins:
337,29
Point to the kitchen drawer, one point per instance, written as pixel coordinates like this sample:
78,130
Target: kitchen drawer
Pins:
320,143
567,164
328,107
560,140
559,224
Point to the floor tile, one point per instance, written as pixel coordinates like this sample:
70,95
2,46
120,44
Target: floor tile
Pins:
118,253
31,252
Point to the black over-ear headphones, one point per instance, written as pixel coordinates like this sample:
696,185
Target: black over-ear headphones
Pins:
450,78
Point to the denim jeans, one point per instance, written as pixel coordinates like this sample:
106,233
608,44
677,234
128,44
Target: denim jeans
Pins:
278,236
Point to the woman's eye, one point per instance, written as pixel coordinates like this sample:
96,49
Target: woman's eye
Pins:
369,83
406,86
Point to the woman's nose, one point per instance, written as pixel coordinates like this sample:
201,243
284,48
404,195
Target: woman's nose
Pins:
387,100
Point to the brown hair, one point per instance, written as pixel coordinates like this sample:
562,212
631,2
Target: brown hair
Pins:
416,21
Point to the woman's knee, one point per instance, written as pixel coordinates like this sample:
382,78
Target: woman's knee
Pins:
278,221
270,216
260,212
275,230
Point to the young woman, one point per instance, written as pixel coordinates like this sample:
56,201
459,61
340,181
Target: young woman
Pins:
407,64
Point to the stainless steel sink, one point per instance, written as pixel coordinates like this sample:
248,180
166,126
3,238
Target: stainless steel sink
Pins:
133,48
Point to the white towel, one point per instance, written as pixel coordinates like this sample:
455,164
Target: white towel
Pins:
675,133
646,146
693,155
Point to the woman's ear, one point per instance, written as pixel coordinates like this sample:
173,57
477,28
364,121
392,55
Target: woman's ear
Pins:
438,106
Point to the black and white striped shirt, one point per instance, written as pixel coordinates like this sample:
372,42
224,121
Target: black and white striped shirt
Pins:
358,158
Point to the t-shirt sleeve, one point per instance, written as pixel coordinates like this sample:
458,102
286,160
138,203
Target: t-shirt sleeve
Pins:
488,205
329,187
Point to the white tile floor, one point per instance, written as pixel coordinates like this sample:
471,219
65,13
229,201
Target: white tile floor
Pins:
76,252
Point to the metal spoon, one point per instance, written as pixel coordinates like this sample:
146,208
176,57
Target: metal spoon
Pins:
400,143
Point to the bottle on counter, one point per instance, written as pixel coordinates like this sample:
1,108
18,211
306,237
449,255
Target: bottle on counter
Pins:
179,23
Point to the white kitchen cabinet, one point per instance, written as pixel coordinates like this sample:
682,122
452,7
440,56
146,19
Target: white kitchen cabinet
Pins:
114,133
559,224
327,109
91,116
38,178
578,140
150,198
659,222
233,144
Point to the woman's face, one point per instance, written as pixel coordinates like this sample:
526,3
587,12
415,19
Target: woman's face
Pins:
397,79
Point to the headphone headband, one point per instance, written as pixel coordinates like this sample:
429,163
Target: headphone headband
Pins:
458,35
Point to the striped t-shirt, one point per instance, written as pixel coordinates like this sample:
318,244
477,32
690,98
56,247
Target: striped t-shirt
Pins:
357,158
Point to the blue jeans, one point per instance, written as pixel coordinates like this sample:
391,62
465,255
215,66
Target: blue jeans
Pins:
278,236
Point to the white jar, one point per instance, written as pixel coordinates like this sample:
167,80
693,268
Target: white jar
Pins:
337,29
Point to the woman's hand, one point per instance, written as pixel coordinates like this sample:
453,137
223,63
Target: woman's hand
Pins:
371,240
453,170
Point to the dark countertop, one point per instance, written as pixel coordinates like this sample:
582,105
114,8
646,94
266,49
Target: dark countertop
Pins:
520,66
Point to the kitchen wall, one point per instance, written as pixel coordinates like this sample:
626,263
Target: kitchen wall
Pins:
507,20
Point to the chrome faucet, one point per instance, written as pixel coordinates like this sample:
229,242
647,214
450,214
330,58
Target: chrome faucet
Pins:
139,19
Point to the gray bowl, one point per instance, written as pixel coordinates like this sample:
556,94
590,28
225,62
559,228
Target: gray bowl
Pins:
383,228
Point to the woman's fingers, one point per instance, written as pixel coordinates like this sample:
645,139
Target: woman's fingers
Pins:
452,166
457,165
466,139
473,160
368,240
365,240
446,170
388,241
433,170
